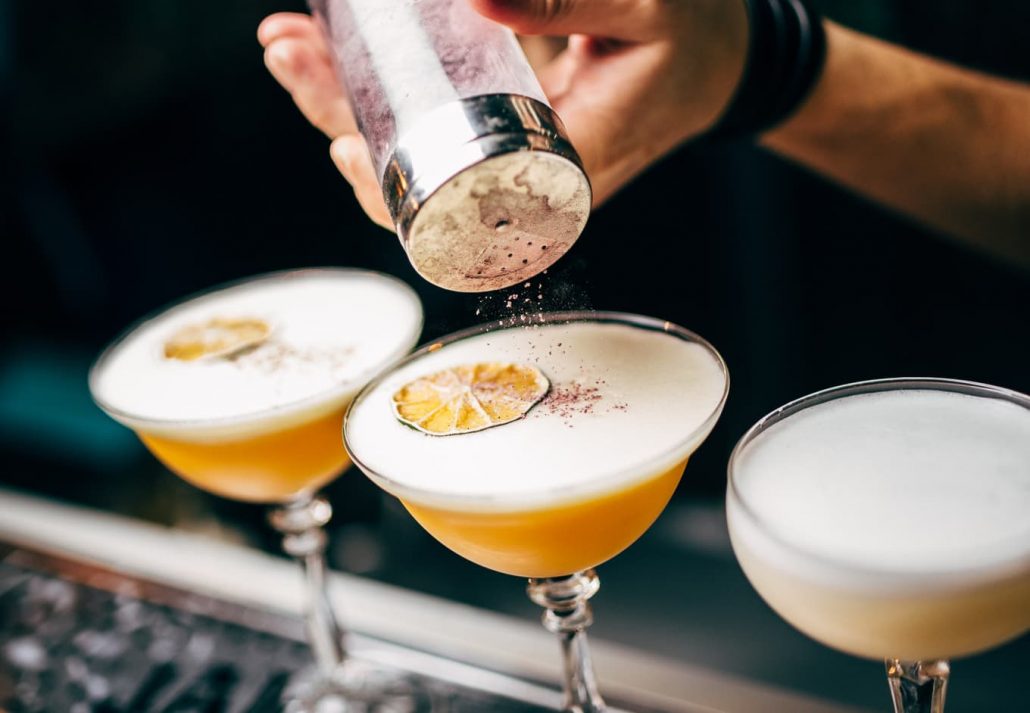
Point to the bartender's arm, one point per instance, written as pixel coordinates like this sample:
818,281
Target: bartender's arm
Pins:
945,145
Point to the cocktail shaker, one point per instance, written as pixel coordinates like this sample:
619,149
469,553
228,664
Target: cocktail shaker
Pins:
478,174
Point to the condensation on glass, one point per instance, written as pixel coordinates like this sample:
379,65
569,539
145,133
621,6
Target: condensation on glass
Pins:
481,180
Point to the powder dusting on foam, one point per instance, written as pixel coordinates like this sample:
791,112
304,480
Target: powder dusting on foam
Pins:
904,480
620,398
329,329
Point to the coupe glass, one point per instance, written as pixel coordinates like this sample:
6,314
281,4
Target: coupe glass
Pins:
287,454
553,538
914,617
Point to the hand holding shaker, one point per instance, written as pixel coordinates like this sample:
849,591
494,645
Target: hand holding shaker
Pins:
480,179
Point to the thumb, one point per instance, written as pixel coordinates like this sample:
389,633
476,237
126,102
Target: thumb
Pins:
633,20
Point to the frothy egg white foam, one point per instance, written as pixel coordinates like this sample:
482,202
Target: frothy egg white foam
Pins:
908,481
625,404
331,331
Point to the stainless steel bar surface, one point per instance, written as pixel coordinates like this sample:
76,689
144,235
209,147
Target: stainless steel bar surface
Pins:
239,611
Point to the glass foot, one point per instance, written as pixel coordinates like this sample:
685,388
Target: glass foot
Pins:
336,683
354,688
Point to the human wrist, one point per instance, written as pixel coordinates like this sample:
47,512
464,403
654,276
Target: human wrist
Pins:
785,57
834,105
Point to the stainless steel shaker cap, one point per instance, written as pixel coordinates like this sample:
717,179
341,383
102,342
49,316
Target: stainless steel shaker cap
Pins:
486,192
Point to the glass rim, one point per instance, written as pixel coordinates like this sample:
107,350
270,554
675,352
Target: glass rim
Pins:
869,386
523,501
325,397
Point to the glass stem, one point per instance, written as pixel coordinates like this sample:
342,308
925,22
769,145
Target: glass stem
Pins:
568,615
918,686
301,523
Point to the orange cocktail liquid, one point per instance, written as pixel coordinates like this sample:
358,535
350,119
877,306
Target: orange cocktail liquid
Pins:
555,541
270,467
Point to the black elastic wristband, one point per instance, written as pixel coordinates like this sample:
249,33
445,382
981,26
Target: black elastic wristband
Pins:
786,53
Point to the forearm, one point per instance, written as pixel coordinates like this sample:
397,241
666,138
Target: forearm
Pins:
948,146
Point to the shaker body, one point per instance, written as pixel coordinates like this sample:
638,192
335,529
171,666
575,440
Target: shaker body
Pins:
484,187
400,59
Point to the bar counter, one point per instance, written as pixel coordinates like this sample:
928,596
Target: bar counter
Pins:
460,657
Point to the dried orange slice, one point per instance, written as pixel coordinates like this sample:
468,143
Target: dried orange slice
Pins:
470,397
218,337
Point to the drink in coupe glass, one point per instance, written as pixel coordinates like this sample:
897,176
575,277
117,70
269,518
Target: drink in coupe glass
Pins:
241,391
891,520
542,451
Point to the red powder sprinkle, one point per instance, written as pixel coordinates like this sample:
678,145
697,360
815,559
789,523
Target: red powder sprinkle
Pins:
574,399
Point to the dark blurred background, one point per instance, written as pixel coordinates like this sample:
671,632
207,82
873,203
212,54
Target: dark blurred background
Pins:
147,154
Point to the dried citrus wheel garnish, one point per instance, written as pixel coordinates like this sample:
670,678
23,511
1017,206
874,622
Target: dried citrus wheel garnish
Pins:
218,337
470,397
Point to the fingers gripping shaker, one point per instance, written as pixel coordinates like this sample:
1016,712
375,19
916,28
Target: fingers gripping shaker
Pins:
477,171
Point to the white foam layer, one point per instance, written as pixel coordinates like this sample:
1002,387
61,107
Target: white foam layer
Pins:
906,481
642,394
332,330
